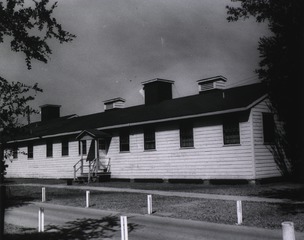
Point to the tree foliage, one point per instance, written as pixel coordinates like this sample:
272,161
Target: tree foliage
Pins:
281,64
29,25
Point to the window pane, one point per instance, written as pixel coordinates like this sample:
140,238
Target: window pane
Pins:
49,149
231,132
149,138
30,153
65,147
15,152
124,141
102,144
186,135
268,128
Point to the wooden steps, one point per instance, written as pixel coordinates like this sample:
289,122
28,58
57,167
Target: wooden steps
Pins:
99,177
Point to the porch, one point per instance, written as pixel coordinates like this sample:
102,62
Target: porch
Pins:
93,165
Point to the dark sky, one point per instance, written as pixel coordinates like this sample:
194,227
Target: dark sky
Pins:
121,43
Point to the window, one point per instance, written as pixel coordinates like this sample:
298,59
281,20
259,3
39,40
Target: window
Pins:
65,147
186,135
15,152
82,143
101,144
149,138
231,132
49,149
30,151
268,128
124,140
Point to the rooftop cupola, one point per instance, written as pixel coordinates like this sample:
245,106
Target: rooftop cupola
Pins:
206,84
157,90
114,103
49,112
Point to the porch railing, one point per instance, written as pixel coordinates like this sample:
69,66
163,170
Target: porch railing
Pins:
93,167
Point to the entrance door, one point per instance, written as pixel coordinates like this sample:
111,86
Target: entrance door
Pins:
102,151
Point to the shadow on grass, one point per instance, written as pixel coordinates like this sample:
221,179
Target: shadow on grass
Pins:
14,200
292,194
81,229
292,209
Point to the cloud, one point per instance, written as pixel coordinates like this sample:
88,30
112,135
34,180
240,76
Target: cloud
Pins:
121,43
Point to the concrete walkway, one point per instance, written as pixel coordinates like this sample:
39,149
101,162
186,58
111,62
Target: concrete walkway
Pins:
168,193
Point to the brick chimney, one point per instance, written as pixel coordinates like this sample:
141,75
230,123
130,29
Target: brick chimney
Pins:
157,90
49,112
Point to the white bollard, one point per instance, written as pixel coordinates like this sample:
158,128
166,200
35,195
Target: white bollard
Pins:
124,227
239,212
87,199
149,199
41,220
288,231
43,194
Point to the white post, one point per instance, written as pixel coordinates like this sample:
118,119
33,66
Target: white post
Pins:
288,231
41,220
87,199
124,227
149,198
43,194
239,212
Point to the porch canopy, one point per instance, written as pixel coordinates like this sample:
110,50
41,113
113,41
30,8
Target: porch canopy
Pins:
94,135
90,134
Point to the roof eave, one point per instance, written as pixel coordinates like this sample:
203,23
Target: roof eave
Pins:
233,110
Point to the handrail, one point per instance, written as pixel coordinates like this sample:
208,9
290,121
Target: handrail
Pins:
93,166
77,169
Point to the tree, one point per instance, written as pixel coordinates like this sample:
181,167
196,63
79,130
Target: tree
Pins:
281,68
28,26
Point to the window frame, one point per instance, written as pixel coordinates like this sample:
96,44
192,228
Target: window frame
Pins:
15,152
124,140
269,134
186,135
149,138
235,137
49,144
30,154
65,147
102,144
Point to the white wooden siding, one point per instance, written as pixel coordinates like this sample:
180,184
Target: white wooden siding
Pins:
209,159
265,165
45,167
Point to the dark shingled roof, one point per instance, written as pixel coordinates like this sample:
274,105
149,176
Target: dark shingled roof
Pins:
206,103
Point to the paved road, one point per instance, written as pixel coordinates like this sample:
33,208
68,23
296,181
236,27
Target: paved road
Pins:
98,224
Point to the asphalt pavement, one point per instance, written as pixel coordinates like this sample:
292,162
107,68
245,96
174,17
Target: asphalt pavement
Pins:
100,224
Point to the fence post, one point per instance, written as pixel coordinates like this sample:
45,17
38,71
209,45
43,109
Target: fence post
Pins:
41,220
124,227
149,199
43,194
288,231
239,212
87,199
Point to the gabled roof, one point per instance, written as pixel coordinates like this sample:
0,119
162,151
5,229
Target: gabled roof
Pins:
204,104
93,133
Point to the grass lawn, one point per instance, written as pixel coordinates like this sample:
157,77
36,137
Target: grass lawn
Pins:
286,190
265,215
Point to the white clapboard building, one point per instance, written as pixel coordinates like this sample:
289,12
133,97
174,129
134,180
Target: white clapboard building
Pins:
217,134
